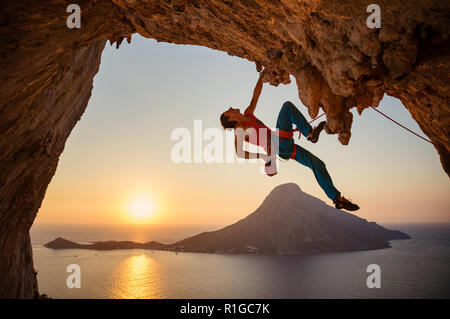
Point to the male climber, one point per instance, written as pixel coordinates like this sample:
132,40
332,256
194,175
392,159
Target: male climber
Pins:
282,141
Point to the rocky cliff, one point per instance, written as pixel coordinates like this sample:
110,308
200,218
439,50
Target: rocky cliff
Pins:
338,62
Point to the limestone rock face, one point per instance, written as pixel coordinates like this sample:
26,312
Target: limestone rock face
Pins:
338,62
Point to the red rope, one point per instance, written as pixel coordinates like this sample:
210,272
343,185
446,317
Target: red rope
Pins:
297,130
423,138
402,126
317,118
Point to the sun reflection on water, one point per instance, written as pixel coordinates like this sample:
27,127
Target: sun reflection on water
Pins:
137,277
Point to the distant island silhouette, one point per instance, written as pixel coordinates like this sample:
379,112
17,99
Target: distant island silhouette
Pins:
288,221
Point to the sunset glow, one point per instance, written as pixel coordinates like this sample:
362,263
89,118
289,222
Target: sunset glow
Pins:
140,209
98,183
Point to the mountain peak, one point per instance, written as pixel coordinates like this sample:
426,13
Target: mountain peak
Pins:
290,221
287,198
284,193
287,188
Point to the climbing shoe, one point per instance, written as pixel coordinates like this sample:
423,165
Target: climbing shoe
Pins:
343,203
316,132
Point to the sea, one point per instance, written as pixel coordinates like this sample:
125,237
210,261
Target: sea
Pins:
414,268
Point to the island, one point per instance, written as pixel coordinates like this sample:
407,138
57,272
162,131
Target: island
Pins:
289,221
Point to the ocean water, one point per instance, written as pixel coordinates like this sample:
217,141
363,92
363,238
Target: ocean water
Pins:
415,268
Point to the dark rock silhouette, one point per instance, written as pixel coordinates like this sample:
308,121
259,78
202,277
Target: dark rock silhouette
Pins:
289,221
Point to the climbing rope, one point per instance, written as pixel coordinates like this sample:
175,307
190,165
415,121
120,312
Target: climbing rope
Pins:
297,130
402,126
316,118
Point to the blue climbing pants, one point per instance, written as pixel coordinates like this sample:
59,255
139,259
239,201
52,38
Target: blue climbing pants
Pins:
289,115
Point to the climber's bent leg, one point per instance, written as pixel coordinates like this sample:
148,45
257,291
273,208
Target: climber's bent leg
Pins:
306,158
290,114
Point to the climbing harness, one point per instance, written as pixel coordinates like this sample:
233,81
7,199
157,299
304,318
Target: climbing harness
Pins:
290,134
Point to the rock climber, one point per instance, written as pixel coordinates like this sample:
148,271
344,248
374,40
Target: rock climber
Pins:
281,142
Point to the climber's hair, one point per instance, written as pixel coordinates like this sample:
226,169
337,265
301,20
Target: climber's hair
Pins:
226,123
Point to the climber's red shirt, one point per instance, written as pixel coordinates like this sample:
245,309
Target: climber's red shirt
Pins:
263,133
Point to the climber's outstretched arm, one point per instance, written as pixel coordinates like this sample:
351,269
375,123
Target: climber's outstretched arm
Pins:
256,93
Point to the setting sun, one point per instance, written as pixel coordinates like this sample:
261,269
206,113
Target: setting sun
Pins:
140,208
